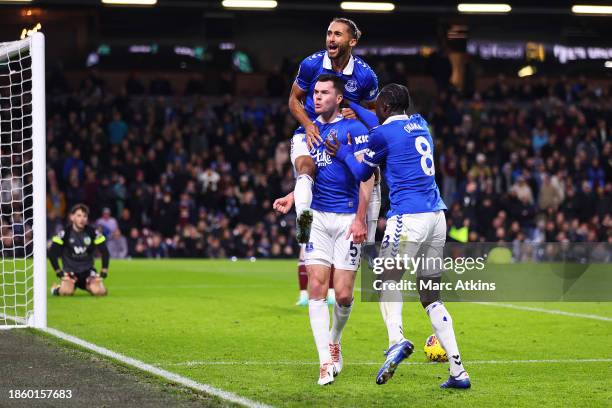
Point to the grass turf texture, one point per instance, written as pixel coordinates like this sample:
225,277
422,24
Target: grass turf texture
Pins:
169,313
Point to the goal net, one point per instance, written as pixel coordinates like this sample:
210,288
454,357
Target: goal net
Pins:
22,184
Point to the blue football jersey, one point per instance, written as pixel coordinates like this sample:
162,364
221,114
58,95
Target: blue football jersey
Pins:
335,189
360,81
404,149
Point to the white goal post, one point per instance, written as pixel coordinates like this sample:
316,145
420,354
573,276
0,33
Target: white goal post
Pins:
23,241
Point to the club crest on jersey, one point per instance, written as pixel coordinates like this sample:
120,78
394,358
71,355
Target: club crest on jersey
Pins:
309,247
351,85
87,240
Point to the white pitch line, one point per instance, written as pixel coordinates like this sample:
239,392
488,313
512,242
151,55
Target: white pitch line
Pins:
296,363
175,378
549,311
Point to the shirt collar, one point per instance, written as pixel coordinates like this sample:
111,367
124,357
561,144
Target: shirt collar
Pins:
394,118
348,70
334,120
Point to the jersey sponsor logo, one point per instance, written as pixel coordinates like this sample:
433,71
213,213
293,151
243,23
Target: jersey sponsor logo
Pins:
321,158
412,127
351,85
361,139
79,250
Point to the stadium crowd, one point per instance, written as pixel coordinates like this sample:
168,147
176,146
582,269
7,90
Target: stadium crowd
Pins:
195,176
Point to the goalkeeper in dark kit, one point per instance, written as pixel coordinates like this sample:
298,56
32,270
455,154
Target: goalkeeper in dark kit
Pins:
76,246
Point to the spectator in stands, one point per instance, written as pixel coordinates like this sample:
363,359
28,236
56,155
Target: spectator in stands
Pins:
117,245
107,223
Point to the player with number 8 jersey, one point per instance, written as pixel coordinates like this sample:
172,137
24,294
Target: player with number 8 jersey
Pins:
416,225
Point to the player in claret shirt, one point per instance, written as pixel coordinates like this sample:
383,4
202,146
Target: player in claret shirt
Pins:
76,246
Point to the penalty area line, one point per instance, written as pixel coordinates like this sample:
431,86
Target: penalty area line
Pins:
308,363
172,377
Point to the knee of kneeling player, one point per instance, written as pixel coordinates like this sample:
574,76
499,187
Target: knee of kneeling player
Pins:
98,291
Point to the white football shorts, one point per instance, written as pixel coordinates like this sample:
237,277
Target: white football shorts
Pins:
328,243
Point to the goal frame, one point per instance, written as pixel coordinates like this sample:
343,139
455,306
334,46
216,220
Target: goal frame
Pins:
37,317
39,179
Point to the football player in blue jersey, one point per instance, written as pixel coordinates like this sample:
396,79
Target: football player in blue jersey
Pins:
339,206
360,84
416,224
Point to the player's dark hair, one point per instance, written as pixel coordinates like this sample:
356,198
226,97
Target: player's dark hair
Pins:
79,206
353,30
395,97
338,84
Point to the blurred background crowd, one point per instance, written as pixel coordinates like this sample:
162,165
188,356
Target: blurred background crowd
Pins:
195,176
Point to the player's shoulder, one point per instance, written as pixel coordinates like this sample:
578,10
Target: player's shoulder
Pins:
378,134
314,59
415,124
92,230
363,67
355,127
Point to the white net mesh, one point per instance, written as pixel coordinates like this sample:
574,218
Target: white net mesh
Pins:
16,188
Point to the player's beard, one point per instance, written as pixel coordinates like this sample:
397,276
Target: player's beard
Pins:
343,50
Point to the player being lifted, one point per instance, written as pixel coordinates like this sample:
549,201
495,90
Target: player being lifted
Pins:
339,206
416,222
76,246
360,85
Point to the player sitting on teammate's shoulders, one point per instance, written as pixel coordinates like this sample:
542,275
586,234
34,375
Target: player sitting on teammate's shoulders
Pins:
76,246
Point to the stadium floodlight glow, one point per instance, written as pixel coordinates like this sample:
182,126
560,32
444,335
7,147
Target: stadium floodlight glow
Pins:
366,6
586,9
250,4
608,64
130,2
526,71
16,1
483,8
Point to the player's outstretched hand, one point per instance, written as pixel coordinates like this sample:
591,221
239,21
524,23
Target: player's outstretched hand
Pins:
348,113
313,138
284,204
358,230
337,149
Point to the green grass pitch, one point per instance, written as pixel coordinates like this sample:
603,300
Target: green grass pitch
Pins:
234,325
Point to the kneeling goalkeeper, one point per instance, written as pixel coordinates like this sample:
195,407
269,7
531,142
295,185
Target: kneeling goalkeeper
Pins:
76,245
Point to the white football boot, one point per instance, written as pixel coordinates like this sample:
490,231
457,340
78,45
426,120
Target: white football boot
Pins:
336,353
326,373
